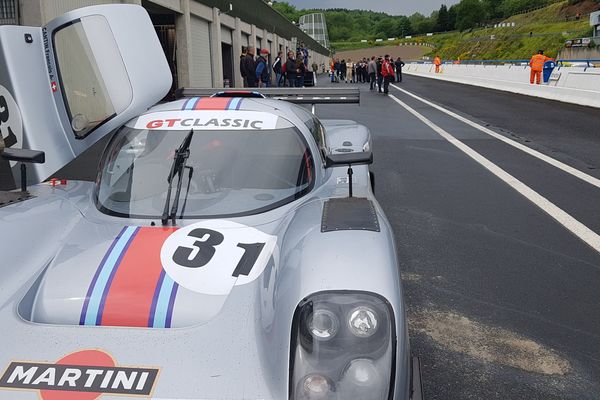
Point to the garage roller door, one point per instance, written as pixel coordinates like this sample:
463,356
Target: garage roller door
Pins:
201,75
226,35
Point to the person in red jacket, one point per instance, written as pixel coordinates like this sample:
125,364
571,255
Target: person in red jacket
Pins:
388,73
537,65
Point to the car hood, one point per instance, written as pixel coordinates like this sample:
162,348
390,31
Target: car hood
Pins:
230,326
149,276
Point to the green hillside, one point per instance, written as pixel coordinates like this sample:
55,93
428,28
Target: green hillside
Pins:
547,28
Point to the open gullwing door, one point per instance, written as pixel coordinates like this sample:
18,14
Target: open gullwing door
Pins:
67,84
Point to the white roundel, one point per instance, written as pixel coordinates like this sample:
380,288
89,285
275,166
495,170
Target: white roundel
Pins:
11,125
213,256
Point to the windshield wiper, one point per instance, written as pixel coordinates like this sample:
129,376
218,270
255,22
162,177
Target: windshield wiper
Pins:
179,161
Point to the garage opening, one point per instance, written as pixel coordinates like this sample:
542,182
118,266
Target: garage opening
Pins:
228,77
163,20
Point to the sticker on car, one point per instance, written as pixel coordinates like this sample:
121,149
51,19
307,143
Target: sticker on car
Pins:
211,257
82,375
11,124
186,120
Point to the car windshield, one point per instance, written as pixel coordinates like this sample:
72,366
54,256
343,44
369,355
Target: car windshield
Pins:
233,172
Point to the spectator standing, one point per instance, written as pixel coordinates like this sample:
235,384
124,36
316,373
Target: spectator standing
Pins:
537,65
332,70
242,69
263,77
372,69
343,71
350,69
249,66
358,71
304,51
379,63
290,69
437,61
399,64
387,71
278,69
300,70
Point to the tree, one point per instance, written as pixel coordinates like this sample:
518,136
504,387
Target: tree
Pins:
452,17
443,19
385,27
492,8
469,14
402,27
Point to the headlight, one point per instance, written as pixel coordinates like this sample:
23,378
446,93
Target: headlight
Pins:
343,347
363,322
316,387
323,324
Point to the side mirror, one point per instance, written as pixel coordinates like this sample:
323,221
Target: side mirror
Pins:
351,158
23,156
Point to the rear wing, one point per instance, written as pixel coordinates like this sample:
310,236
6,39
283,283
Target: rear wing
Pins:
293,95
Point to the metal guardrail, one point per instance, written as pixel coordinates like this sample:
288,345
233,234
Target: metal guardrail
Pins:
589,63
293,95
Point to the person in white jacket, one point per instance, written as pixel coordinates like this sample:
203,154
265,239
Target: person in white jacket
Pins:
350,71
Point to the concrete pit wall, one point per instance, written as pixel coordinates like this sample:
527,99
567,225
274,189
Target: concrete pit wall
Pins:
577,85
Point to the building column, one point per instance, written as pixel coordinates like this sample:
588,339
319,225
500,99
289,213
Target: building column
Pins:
252,37
265,36
215,49
183,35
31,13
237,53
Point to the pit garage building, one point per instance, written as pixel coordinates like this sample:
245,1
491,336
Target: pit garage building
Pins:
202,39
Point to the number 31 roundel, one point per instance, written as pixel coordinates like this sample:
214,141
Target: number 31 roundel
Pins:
213,256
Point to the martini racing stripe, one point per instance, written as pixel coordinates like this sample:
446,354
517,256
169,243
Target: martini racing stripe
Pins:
212,103
162,304
96,291
138,293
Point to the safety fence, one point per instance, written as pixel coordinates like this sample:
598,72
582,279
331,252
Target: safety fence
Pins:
585,63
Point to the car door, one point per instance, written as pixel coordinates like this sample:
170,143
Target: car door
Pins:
65,85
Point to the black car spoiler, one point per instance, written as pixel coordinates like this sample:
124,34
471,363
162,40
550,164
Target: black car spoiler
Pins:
293,95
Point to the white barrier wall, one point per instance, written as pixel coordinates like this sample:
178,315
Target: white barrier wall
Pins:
578,85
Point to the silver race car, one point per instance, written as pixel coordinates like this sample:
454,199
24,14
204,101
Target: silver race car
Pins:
230,248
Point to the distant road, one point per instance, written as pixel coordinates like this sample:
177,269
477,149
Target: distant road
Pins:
404,52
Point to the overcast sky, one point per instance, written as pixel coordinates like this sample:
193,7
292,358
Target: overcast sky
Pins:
394,7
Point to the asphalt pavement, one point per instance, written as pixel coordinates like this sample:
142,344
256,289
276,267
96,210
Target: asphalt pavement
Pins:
503,297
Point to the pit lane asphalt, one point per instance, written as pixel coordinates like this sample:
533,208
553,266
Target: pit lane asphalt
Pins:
495,287
503,301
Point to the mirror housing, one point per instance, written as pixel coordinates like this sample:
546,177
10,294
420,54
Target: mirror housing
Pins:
347,159
23,156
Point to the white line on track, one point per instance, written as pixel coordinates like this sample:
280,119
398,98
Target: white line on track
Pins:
560,165
577,228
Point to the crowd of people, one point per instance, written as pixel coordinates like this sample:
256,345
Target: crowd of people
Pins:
290,71
379,72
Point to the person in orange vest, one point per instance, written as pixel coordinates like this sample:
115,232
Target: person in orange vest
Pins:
437,61
537,65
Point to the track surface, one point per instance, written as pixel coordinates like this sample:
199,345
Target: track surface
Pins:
503,301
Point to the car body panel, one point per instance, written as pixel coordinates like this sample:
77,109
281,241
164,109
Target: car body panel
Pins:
33,84
222,338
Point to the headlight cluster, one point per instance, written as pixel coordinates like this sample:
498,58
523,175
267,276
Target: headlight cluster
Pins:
342,347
